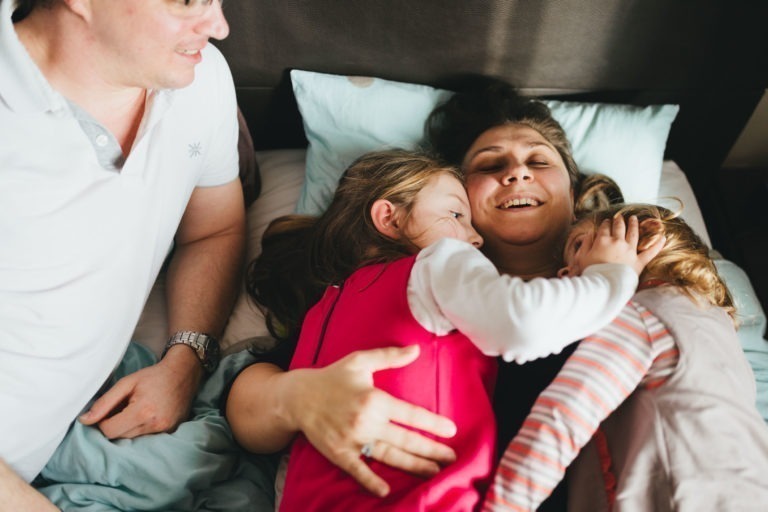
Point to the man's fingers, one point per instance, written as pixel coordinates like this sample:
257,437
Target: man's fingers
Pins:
122,426
107,403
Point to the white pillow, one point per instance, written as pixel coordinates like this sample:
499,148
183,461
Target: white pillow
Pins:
345,117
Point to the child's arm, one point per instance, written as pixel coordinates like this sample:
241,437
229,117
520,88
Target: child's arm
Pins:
454,286
451,281
601,373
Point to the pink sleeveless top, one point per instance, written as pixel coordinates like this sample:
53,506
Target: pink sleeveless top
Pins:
450,377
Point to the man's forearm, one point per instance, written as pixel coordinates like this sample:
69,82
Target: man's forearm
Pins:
203,281
18,495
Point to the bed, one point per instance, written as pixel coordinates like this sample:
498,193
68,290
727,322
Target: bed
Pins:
701,56
678,80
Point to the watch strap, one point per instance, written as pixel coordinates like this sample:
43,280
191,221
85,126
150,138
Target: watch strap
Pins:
205,346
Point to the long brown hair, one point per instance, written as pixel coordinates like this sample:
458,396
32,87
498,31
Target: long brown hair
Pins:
302,255
684,261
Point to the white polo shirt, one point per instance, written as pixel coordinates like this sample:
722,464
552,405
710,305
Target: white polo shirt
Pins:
83,234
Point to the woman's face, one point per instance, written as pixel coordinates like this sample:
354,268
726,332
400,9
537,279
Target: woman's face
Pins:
518,186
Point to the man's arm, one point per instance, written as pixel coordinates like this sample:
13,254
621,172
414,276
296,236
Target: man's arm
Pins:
203,280
19,495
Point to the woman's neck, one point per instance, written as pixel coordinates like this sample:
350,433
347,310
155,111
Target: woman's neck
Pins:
524,261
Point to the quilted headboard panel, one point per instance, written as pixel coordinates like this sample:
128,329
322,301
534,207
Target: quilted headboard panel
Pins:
709,53
709,56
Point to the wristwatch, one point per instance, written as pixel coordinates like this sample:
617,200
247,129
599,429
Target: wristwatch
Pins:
205,346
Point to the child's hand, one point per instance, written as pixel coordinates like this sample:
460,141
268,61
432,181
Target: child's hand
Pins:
616,242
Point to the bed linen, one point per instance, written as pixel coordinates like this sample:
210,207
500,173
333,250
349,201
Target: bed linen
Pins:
199,467
91,473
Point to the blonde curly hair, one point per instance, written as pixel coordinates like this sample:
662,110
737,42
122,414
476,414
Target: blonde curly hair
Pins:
684,261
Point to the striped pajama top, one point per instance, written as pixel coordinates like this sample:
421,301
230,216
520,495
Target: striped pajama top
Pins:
635,350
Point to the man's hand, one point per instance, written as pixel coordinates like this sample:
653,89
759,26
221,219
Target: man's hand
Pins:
155,399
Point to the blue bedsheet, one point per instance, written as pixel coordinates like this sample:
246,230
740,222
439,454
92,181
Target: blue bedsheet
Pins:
198,467
752,322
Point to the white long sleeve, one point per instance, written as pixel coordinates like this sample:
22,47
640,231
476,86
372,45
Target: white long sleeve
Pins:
454,286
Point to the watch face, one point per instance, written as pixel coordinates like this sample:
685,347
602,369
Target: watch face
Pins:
210,354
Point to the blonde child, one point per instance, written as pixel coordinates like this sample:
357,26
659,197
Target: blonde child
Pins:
664,393
399,257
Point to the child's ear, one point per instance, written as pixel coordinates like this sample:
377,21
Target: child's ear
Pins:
384,216
650,231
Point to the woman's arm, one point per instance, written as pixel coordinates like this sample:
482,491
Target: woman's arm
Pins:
339,410
600,374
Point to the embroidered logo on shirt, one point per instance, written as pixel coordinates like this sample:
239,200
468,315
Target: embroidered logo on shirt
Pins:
195,149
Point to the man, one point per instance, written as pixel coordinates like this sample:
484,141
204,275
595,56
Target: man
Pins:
118,141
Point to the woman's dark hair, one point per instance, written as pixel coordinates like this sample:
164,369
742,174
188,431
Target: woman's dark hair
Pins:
453,127
684,262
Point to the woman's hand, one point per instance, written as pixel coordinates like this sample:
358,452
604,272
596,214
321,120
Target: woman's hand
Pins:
339,411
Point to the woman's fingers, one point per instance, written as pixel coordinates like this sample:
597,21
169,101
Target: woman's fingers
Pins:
419,418
416,444
378,359
397,458
365,476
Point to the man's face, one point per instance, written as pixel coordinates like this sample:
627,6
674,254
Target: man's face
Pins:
153,44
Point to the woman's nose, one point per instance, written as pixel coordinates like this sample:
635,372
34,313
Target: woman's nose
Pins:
518,173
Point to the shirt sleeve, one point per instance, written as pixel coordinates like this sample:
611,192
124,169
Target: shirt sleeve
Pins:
222,163
602,372
453,285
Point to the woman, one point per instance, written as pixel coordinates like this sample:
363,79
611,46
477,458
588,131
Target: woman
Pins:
520,181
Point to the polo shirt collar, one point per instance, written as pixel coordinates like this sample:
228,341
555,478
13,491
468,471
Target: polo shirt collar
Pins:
23,87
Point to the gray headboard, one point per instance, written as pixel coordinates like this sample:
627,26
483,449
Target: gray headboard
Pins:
711,57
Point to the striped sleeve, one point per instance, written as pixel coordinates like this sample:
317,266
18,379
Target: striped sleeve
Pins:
601,373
